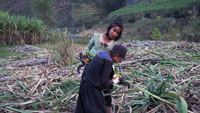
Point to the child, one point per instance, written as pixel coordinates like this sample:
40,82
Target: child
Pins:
105,41
97,76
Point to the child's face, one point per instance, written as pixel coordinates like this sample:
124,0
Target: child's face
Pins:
114,32
117,58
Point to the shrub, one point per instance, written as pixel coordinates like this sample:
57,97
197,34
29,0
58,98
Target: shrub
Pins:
156,34
63,48
20,29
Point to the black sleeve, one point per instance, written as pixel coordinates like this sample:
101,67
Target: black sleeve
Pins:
111,75
108,98
107,70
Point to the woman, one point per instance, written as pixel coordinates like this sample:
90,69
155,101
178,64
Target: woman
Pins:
105,41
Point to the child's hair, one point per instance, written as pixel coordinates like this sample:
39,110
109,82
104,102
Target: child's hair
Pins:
119,49
115,22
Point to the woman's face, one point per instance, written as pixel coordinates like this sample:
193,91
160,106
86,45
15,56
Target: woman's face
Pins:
114,32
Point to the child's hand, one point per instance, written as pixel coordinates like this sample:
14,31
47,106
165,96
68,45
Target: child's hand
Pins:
124,84
115,79
119,81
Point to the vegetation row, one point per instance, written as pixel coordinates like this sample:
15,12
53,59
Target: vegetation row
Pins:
156,5
20,29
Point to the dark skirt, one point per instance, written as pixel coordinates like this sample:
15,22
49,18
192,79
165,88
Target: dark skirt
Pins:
90,100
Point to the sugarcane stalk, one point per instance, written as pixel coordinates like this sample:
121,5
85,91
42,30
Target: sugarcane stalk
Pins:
144,91
149,93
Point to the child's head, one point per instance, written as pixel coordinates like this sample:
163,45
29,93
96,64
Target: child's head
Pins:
115,29
118,52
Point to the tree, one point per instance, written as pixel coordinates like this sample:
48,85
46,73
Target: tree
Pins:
106,6
43,10
156,34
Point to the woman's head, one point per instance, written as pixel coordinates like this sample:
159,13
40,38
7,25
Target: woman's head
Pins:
114,30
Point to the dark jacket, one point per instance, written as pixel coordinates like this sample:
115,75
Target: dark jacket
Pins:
96,77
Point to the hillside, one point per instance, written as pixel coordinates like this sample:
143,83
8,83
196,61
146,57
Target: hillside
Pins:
158,20
177,20
61,9
67,13
156,5
17,7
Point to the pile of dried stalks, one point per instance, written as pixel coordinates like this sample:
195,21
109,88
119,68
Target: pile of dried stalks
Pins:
164,77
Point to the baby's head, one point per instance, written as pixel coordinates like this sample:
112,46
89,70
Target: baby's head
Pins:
118,53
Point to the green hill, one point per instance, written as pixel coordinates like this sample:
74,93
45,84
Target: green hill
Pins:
172,19
156,5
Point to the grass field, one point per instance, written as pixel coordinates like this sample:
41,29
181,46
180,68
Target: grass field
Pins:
4,52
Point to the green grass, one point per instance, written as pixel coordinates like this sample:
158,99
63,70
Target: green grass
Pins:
4,52
48,46
157,5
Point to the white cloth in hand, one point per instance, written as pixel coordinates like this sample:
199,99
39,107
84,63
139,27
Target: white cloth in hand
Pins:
115,78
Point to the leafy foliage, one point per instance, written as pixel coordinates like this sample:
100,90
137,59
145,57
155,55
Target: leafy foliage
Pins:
106,6
44,11
156,34
182,106
64,46
20,29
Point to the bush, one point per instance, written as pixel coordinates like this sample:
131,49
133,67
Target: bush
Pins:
156,34
63,48
20,30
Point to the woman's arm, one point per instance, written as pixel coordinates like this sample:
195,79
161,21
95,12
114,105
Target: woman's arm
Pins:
90,44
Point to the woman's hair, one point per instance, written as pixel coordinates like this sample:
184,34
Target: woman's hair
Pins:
115,22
